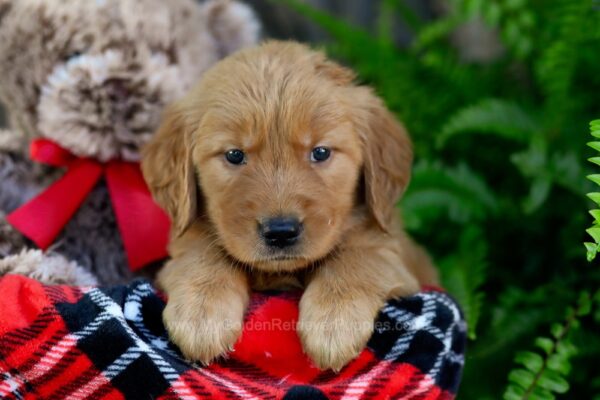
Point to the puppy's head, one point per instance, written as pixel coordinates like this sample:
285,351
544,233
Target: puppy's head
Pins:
279,151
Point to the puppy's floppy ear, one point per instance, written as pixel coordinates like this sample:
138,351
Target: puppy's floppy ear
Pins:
387,161
168,170
232,24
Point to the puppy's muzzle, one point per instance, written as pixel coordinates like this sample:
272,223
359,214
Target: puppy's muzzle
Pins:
280,232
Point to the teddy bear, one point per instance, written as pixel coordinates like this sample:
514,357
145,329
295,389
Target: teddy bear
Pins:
84,84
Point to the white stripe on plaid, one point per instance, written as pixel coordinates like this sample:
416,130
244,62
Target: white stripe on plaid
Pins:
140,348
52,356
424,322
132,310
11,386
86,391
360,384
229,384
131,319
111,310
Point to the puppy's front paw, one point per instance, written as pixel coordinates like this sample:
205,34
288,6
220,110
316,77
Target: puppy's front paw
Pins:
203,329
334,334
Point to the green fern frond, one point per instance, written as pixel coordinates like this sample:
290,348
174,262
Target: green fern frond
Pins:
597,307
501,118
545,170
385,21
337,27
457,192
404,78
555,68
436,31
351,42
464,272
512,18
376,60
533,164
408,15
543,373
516,313
592,248
533,98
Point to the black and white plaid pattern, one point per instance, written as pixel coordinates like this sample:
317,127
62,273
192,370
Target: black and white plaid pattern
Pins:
427,320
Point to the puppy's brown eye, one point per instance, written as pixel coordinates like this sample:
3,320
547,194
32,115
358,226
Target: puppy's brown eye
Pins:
235,156
319,154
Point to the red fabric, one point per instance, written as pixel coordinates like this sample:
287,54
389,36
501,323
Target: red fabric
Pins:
143,225
27,299
279,352
60,342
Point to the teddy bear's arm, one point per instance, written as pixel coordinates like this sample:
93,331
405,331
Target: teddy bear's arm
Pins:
48,268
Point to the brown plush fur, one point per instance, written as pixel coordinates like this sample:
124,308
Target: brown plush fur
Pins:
277,102
94,76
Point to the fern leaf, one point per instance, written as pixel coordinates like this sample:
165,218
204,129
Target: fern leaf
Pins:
594,178
553,382
594,160
538,194
388,10
457,192
513,19
546,169
555,68
595,197
594,145
352,43
594,233
492,116
544,376
463,274
436,31
408,15
533,164
532,361
337,27
385,21
593,248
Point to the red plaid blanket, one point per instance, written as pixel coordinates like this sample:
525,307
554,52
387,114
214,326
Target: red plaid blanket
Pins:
59,342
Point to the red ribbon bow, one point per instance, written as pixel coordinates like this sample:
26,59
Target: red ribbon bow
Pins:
143,225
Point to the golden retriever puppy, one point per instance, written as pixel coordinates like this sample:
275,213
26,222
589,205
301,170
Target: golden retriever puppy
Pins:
277,170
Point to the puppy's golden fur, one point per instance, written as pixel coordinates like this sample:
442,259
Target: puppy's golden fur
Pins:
277,102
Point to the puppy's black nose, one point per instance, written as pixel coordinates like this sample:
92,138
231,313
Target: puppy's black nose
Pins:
280,231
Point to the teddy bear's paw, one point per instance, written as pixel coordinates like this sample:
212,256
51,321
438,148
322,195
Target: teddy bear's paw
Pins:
48,268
